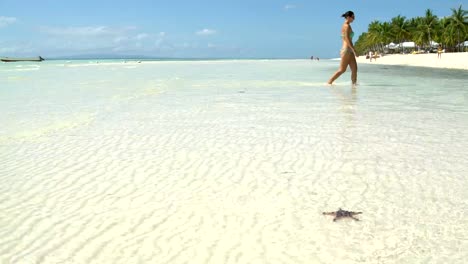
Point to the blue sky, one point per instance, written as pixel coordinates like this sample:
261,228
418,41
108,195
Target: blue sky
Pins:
193,29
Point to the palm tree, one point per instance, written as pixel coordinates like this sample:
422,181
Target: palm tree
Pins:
386,33
400,28
422,30
377,35
446,33
428,25
439,30
416,34
361,45
374,36
459,22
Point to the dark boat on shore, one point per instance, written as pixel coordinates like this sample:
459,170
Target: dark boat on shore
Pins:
8,59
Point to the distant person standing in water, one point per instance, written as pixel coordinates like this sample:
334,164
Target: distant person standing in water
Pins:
347,52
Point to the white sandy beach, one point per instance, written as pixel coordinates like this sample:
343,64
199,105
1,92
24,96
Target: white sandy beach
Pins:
448,60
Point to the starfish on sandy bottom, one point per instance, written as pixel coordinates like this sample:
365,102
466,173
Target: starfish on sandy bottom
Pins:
342,214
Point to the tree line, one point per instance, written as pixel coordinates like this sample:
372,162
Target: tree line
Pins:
449,31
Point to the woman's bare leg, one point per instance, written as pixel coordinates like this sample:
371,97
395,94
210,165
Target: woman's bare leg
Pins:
353,67
343,65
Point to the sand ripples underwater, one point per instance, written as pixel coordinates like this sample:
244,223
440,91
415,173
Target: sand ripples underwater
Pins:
166,163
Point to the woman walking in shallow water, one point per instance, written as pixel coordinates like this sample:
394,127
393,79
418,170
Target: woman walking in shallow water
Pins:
347,52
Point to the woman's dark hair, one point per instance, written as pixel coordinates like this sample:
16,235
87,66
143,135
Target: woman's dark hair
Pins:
348,14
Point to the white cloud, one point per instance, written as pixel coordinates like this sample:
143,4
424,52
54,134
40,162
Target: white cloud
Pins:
205,32
100,39
184,45
6,50
5,21
17,48
107,39
289,6
130,38
96,31
160,40
142,36
139,43
120,39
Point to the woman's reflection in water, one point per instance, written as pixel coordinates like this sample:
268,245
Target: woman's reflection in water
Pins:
347,100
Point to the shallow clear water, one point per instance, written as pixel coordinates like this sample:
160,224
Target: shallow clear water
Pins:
231,162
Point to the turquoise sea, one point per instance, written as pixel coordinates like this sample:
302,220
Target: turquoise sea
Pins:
231,161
